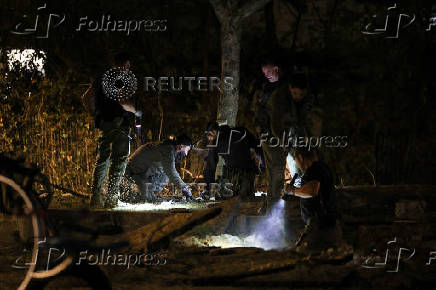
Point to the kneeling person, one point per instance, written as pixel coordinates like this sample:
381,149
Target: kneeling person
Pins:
152,166
317,198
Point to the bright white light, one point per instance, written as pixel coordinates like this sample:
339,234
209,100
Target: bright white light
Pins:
27,59
166,205
224,241
268,234
292,165
259,193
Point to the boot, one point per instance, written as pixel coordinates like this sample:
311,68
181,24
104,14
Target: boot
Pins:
116,172
97,201
100,173
111,201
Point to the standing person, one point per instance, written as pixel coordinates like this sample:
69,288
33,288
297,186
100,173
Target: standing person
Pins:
112,119
152,166
317,198
273,117
308,113
236,145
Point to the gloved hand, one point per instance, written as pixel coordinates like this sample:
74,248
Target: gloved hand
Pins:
186,192
138,114
205,194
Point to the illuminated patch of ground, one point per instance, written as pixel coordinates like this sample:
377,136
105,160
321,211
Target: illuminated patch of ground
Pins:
163,206
269,233
229,241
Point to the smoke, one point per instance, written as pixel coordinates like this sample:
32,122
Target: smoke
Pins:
270,232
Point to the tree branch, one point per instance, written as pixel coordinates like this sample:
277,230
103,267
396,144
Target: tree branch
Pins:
224,9
220,9
250,7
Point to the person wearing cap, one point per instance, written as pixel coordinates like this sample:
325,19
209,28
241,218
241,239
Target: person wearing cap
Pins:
153,165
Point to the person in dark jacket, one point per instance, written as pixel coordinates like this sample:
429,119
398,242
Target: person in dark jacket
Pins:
274,117
111,118
308,120
317,197
307,110
237,146
153,165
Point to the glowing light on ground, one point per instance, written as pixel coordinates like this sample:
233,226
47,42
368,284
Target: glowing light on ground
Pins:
268,234
224,241
163,206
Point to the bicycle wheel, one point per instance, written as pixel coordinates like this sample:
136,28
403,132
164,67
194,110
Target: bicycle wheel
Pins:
17,204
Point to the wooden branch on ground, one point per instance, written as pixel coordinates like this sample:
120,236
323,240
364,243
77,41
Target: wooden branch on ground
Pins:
218,225
157,235
250,7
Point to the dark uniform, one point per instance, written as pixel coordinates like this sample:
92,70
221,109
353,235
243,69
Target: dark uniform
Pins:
319,212
275,114
113,147
309,116
234,145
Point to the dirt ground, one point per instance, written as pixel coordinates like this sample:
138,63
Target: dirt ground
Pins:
388,243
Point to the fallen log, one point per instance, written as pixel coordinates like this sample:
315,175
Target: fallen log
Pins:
158,234
220,224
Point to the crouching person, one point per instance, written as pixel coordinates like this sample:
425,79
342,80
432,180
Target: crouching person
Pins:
152,166
317,201
237,147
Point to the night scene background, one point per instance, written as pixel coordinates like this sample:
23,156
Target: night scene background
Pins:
374,86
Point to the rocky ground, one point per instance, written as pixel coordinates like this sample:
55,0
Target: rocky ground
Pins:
388,243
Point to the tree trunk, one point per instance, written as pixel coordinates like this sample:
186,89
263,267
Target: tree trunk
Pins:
230,60
230,13
271,35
